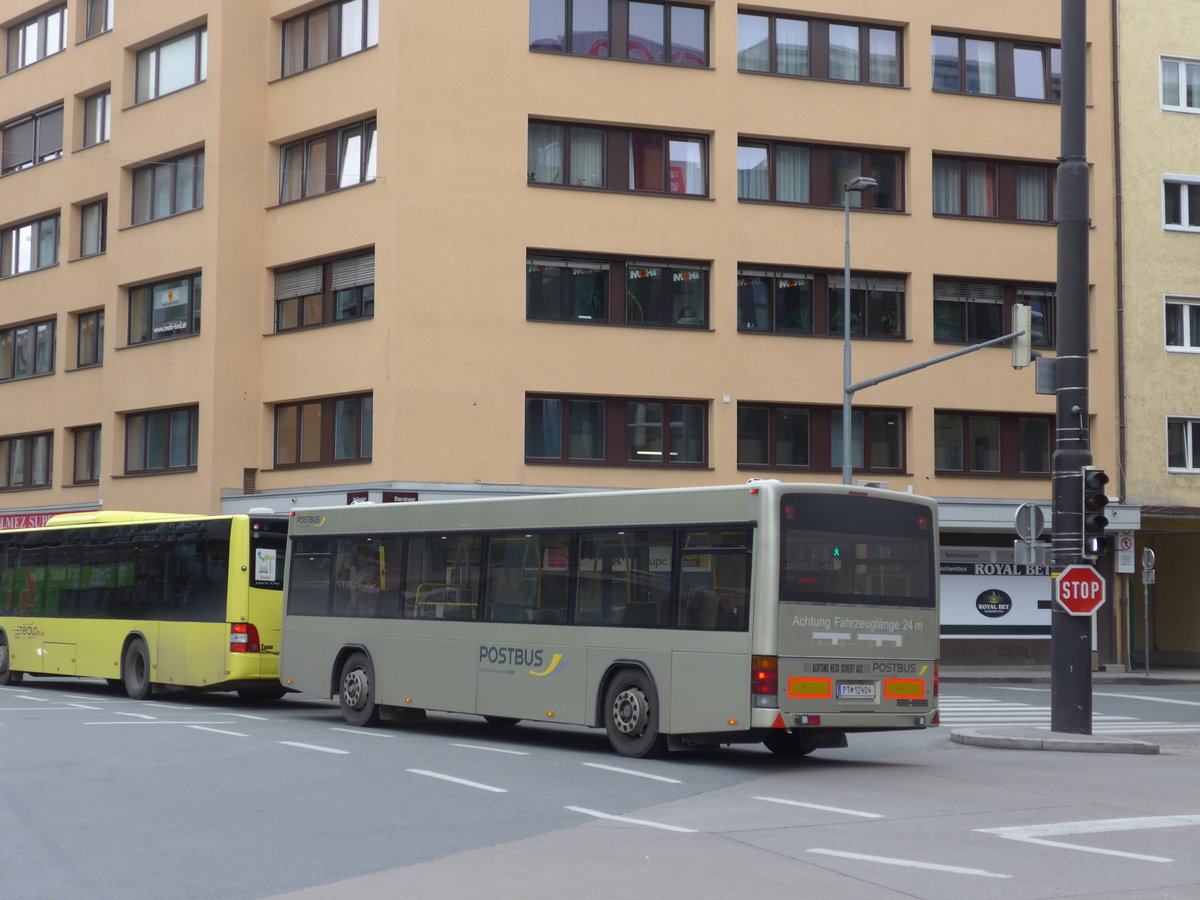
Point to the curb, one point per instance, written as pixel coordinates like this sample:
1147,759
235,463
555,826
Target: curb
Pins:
1034,739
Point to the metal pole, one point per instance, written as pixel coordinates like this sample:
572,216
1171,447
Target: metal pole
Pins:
847,393
1146,628
1070,636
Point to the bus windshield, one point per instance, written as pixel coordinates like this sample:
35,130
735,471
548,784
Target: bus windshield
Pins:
866,552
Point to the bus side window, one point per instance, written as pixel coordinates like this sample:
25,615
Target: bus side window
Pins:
311,577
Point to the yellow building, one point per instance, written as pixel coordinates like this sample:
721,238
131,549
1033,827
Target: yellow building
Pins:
288,254
1159,291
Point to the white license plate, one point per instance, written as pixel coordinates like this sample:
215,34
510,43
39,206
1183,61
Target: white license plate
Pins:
856,690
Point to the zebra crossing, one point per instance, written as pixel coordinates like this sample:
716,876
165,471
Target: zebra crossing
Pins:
973,712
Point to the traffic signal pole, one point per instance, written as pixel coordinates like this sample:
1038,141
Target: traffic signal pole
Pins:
1071,636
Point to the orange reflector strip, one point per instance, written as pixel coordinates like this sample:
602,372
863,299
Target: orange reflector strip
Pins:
904,688
810,687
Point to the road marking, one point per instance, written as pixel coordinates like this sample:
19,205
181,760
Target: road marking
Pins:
633,772
245,716
135,715
908,863
361,732
158,722
462,781
314,747
1037,834
36,699
1151,699
492,749
218,730
846,812
629,820
83,706
165,705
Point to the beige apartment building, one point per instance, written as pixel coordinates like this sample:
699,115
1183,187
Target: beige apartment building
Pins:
1159,299
264,253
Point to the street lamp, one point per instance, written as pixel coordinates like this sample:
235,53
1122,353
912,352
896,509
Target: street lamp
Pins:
858,185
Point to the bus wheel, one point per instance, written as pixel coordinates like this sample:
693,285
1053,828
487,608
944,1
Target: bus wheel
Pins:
135,670
785,744
500,723
631,715
7,675
355,691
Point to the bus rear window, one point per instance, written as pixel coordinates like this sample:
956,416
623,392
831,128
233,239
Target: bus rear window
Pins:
268,547
865,551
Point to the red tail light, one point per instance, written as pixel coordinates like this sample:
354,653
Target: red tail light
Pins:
764,681
243,638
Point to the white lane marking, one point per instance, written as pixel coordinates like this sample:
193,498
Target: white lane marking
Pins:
361,732
462,781
629,820
159,722
245,716
846,812
218,730
44,709
1150,699
314,747
1037,834
83,706
135,715
908,863
633,772
491,749
166,705
36,699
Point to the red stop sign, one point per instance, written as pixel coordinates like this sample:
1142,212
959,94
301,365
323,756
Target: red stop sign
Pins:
1079,590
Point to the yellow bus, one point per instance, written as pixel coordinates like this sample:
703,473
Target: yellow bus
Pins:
791,614
147,601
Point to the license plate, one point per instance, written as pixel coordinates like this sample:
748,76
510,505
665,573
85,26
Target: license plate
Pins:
856,690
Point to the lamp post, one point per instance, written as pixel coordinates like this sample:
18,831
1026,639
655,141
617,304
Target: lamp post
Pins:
858,185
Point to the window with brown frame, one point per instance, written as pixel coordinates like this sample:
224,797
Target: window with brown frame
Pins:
663,32
29,246
623,431
85,466
31,140
164,309
970,312
988,443
324,431
168,188
89,338
996,67
993,189
618,159
172,65
329,33
327,162
815,174
806,47
25,461
37,37
162,440
792,436
27,350
812,302
93,227
341,289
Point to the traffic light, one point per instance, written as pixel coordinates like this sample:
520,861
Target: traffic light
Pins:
1022,344
1095,499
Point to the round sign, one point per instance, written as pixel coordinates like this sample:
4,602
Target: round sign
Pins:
1030,521
993,603
1079,590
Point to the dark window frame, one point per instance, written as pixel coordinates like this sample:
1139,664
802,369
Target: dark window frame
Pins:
1010,293
824,437
147,183
10,239
1009,449
823,189
326,410
617,42
85,454
101,234
1006,67
619,145
18,32
1004,190
89,338
144,294
818,48
300,28
99,17
307,181
97,118
45,142
34,342
614,437
606,309
33,469
148,62
826,303
161,419
295,298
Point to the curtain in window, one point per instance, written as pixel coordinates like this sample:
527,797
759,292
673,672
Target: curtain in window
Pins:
754,49
545,153
543,428
686,167
587,157
843,52
1031,194
884,60
586,437
981,66
1177,455
947,192
791,47
754,176
791,169
981,189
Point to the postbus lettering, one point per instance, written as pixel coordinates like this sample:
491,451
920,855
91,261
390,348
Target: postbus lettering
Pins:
510,656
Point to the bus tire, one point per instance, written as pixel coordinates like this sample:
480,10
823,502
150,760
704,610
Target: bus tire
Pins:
500,723
631,715
7,675
135,670
356,690
789,745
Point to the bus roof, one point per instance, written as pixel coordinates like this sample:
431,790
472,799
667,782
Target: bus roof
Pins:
105,516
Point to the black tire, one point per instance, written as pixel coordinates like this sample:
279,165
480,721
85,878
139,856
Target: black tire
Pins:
7,675
631,715
262,692
500,723
790,745
135,670
356,690
115,683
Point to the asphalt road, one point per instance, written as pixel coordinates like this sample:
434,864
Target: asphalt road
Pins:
206,796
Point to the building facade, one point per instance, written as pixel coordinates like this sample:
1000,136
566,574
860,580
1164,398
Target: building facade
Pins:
289,254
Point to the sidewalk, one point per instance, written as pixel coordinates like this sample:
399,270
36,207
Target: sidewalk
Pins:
1024,737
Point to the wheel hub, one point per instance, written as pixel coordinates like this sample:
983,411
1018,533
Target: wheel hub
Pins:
355,688
629,711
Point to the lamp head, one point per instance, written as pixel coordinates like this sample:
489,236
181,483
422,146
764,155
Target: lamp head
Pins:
860,183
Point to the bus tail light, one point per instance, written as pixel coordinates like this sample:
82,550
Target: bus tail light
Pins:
764,681
243,638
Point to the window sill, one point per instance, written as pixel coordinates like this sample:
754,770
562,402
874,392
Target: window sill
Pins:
789,77
183,470
1188,229
28,272
1040,476
161,340
961,218
323,65
644,62
603,463
25,377
332,193
25,487
319,327
1041,100
607,190
150,100
289,467
160,219
98,365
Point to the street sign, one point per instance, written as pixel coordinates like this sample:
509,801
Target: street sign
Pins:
1079,590
1123,559
1030,521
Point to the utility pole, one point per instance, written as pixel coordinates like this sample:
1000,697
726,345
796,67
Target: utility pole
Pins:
1070,636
